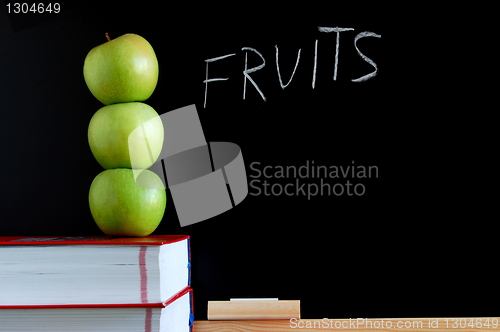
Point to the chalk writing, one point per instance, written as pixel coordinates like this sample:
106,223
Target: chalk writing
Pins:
249,50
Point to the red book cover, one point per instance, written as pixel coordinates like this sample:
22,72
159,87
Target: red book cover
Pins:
94,240
110,305
176,316
72,278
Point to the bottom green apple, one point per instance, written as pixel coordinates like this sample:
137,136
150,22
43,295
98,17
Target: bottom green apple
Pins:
121,207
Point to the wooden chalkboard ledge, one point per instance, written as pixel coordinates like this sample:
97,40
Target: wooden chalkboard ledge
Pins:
466,324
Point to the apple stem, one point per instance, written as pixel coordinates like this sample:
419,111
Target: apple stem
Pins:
107,36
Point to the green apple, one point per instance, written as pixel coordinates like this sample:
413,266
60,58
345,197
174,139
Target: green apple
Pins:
121,70
126,135
124,206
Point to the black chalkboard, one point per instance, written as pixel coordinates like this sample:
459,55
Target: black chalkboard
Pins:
347,98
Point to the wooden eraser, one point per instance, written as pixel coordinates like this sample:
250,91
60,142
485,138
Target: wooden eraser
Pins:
253,309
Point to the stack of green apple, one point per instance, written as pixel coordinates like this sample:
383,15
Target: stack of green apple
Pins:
122,73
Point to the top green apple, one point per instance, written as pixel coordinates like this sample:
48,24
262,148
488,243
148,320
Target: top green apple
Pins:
124,69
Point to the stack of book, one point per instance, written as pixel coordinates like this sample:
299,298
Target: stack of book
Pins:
95,284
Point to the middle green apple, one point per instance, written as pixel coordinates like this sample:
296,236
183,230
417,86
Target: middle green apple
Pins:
126,135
